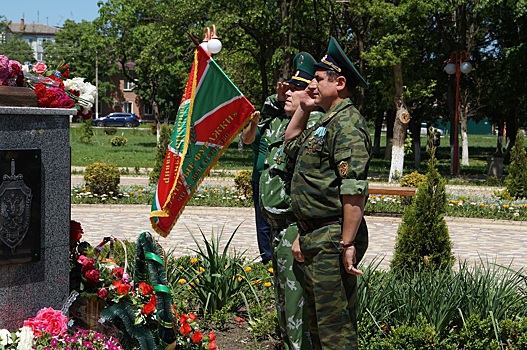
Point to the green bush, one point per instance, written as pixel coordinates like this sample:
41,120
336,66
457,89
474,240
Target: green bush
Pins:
110,130
86,132
422,237
118,141
477,334
516,181
242,180
102,178
413,179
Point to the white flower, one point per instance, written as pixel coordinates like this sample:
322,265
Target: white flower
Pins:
5,337
25,335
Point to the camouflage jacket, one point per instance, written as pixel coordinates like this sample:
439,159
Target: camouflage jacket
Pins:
275,180
331,159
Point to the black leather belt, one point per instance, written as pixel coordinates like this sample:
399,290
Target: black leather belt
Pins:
314,224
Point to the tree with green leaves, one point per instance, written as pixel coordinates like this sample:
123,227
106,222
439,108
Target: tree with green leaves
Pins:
17,50
422,237
516,180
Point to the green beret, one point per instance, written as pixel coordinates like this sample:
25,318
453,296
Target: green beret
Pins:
336,60
304,69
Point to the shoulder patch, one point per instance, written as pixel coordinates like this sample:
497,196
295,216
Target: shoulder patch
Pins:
343,169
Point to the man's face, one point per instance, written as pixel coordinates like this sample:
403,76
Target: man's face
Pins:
325,92
292,100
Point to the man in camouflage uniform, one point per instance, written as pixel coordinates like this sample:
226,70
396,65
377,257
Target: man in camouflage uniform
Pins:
329,189
275,204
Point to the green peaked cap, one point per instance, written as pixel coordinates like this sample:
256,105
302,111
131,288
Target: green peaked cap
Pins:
304,69
336,60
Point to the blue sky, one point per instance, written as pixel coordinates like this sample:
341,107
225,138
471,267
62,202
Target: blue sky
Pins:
50,12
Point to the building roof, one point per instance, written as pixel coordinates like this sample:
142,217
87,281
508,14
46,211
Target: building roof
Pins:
32,28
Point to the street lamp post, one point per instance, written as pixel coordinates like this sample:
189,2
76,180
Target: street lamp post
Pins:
457,64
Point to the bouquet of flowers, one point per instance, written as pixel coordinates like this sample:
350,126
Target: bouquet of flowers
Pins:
54,89
11,73
95,276
48,330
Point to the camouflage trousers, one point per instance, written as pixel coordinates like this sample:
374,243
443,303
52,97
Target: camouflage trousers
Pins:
289,289
331,293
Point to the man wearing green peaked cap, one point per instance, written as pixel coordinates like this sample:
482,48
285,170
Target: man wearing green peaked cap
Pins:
329,188
275,204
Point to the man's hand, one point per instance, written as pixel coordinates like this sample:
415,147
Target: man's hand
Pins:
349,260
256,118
297,253
281,89
307,101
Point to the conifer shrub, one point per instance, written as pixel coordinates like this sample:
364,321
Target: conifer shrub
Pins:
161,149
422,237
516,180
242,181
102,178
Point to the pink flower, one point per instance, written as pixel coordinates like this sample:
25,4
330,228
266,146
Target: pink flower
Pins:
48,320
102,293
39,68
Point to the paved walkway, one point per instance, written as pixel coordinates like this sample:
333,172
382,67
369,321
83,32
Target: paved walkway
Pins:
504,242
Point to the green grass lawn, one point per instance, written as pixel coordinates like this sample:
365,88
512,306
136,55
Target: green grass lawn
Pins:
139,153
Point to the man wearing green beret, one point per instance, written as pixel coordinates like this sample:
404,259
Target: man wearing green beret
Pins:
329,188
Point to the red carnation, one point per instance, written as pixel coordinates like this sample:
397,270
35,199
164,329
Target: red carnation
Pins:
117,272
193,317
212,346
150,307
145,288
122,288
76,232
212,336
197,337
92,276
185,329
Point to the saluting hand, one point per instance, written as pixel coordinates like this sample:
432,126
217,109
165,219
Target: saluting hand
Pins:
256,117
281,89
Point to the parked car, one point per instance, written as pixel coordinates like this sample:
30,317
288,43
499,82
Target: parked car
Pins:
117,119
424,130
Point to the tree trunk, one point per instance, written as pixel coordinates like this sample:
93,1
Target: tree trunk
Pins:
377,135
463,120
158,121
402,118
415,128
390,120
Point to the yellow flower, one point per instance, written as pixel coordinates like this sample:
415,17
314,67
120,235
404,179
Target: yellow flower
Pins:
240,278
181,268
182,281
256,282
131,193
189,287
84,189
248,269
271,270
201,269
506,206
267,284
193,260
197,280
